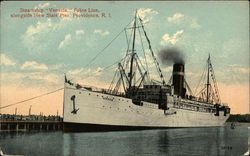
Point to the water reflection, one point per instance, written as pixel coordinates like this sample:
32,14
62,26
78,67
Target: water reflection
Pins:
222,141
190,141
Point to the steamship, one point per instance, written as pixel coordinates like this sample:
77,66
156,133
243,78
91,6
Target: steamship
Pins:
134,100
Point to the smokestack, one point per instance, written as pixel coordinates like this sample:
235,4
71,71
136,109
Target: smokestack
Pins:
172,55
178,79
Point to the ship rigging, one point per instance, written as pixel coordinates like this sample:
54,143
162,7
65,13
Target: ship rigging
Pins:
209,92
135,100
127,83
134,65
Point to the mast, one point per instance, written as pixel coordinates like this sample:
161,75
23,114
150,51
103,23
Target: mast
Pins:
30,110
132,57
209,91
152,53
208,83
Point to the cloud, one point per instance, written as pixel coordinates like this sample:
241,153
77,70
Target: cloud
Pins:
66,40
194,24
38,33
26,85
146,14
101,32
34,65
37,79
76,71
46,26
176,18
91,77
31,72
166,38
42,5
40,27
232,45
19,77
241,70
233,74
97,71
56,66
4,60
45,32
149,58
179,18
50,78
81,72
79,32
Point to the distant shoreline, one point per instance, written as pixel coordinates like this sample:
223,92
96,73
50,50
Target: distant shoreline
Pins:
239,118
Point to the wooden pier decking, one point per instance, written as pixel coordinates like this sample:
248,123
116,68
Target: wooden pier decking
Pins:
29,125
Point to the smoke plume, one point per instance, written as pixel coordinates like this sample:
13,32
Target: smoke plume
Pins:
169,56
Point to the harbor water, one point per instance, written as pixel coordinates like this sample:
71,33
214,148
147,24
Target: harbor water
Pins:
213,141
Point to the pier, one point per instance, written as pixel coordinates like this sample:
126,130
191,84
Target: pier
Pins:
30,123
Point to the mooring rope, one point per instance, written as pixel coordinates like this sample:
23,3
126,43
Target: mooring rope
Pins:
30,98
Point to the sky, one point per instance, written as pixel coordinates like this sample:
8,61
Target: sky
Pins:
37,51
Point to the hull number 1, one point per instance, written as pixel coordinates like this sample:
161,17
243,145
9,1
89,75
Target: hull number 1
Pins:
74,111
